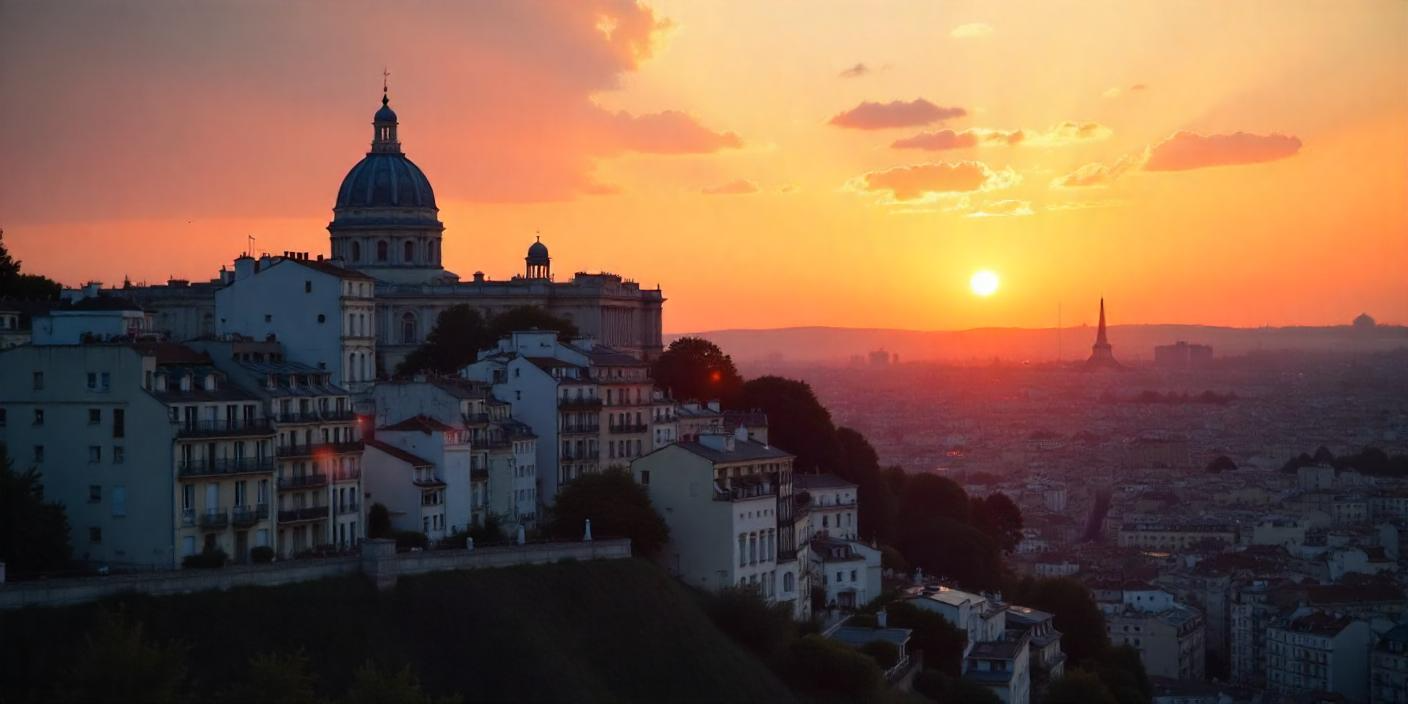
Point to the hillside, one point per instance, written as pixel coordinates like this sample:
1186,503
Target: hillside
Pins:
1131,342
617,630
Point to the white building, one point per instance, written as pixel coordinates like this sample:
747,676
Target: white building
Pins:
849,571
720,497
419,468
1314,651
322,313
831,504
979,617
1003,666
95,319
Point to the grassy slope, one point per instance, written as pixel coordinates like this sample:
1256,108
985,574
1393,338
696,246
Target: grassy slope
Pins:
619,630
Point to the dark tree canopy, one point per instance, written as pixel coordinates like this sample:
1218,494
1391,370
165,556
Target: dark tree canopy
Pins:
940,640
617,507
461,331
695,369
1075,614
928,496
830,668
796,421
14,283
117,663
1123,672
34,534
860,465
277,679
378,521
942,687
951,549
998,517
1078,687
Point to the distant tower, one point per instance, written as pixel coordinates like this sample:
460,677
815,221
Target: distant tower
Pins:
539,263
1102,356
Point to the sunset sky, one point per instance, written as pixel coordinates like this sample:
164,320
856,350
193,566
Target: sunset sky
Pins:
768,164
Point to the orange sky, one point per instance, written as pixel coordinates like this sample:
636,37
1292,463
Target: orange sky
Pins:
768,164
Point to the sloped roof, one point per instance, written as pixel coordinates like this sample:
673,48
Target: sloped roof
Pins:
398,453
424,424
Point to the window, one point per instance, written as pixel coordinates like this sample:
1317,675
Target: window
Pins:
118,454
408,327
645,477
38,453
840,577
410,251
383,251
2,418
92,381
853,575
95,493
119,422
268,317
39,381
119,501
322,318
356,251
307,286
95,535
95,416
95,454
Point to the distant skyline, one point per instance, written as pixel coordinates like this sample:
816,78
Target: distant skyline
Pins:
769,165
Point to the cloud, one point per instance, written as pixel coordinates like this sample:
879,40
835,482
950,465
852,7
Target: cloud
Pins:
856,71
1059,135
1098,174
972,30
732,188
668,132
922,181
1003,208
948,139
896,113
1085,205
1188,150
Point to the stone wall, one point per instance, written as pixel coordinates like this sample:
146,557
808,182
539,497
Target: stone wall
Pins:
379,561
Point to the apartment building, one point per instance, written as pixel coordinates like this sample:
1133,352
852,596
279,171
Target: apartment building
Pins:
1171,641
419,468
831,505
1388,668
1316,651
87,418
720,495
849,571
1164,537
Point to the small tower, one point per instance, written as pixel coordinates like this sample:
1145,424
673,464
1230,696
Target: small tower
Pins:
1102,355
539,263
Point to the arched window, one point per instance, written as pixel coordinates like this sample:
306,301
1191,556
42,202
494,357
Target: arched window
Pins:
410,251
356,251
408,328
383,251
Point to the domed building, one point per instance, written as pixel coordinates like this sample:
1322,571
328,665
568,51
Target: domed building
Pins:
385,222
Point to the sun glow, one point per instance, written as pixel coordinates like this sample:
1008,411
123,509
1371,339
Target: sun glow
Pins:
983,283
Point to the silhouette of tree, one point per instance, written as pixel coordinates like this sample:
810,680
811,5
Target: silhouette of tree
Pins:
1075,614
14,283
372,685
616,505
796,421
1078,687
117,664
1000,518
277,679
695,369
34,534
522,318
455,341
378,521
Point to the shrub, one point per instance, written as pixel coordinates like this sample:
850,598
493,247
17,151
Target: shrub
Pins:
262,554
822,665
885,653
407,539
207,558
378,521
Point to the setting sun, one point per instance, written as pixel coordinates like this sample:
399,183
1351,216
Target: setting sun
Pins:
983,283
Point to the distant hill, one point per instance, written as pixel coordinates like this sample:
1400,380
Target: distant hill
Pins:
619,630
1131,342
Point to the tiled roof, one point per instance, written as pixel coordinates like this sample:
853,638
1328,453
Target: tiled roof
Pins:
400,454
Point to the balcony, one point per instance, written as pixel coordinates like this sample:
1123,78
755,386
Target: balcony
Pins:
319,448
352,506
315,416
226,466
580,428
476,418
581,456
232,427
740,493
214,519
347,475
306,481
246,516
308,513
585,402
629,428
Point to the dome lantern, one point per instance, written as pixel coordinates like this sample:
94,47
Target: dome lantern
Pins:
539,263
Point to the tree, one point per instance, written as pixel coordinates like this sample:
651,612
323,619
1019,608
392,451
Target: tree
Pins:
941,642
459,334
14,283
941,687
695,369
958,551
927,496
277,679
742,614
796,421
1074,613
117,664
378,521
998,517
860,465
521,318
823,666
1078,687
372,685
34,534
1222,463
1123,673
884,653
616,505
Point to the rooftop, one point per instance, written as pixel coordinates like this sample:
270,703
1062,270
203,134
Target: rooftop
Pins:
743,451
820,481
398,453
424,424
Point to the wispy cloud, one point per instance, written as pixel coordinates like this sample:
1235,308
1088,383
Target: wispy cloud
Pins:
1117,91
1098,174
896,113
972,30
1003,208
1058,135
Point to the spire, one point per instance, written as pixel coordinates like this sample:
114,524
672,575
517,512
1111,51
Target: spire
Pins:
384,123
1100,336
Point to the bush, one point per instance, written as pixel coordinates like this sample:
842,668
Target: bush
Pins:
378,521
942,688
407,539
763,628
822,665
884,653
207,558
262,554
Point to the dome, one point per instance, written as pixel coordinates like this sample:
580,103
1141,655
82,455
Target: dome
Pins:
385,180
538,253
385,114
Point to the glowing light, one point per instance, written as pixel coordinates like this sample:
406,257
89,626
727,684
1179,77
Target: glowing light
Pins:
983,283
